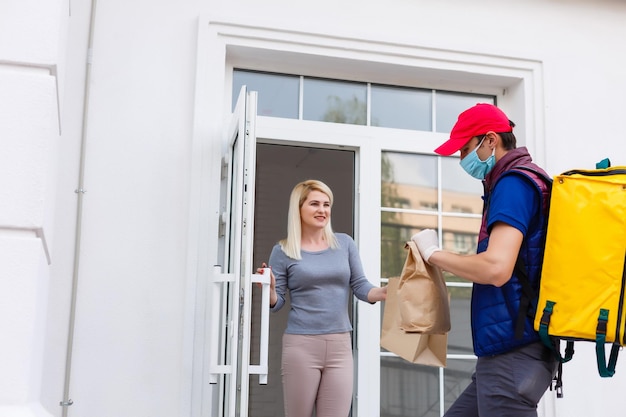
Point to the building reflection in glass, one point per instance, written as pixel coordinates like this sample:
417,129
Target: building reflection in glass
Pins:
419,192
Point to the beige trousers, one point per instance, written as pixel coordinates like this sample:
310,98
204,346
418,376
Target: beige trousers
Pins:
317,372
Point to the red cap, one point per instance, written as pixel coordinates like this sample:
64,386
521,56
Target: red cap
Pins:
475,121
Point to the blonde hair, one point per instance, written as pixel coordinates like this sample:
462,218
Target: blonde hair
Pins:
291,245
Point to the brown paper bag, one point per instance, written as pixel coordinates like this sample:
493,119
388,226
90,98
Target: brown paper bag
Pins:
420,348
422,295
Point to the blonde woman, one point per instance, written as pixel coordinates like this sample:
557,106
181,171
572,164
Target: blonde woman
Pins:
319,268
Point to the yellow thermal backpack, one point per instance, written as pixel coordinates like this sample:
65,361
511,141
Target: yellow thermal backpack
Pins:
581,292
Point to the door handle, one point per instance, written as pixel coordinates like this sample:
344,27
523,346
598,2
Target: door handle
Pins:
262,368
218,282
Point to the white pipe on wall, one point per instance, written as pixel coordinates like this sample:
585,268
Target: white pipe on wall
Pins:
80,192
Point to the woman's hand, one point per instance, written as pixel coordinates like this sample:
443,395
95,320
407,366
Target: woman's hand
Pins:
273,295
377,294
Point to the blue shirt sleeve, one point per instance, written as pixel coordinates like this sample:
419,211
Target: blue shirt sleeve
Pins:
514,201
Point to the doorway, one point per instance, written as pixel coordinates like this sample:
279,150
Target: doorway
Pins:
278,169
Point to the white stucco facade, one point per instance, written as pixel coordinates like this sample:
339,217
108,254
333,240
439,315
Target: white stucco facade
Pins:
112,120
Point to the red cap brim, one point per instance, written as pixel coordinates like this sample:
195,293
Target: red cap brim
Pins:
451,146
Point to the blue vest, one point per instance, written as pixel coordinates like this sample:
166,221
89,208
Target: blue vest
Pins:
495,309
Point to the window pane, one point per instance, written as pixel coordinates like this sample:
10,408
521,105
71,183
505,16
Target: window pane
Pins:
460,235
407,389
334,101
460,335
450,105
278,94
457,376
409,181
396,230
401,108
461,193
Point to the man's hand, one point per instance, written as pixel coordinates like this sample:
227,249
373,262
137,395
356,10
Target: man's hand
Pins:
427,243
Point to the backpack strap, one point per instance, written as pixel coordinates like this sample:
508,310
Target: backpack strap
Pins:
529,299
554,345
558,378
605,370
538,173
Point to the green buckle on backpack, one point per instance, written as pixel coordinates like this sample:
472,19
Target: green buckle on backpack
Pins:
605,371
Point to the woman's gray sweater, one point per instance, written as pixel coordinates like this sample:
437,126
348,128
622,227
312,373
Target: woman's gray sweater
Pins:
319,287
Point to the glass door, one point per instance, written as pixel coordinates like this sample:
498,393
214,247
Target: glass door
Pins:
232,282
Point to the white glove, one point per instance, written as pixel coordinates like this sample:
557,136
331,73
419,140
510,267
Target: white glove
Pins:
427,243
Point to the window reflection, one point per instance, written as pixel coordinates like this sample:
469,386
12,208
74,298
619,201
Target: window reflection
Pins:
408,389
409,181
278,94
339,101
460,234
460,192
414,197
409,191
335,101
396,229
450,105
457,376
460,334
401,108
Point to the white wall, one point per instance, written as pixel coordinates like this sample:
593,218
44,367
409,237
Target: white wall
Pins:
30,34
136,292
130,335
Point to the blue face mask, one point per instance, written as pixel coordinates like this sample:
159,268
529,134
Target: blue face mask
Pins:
474,166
